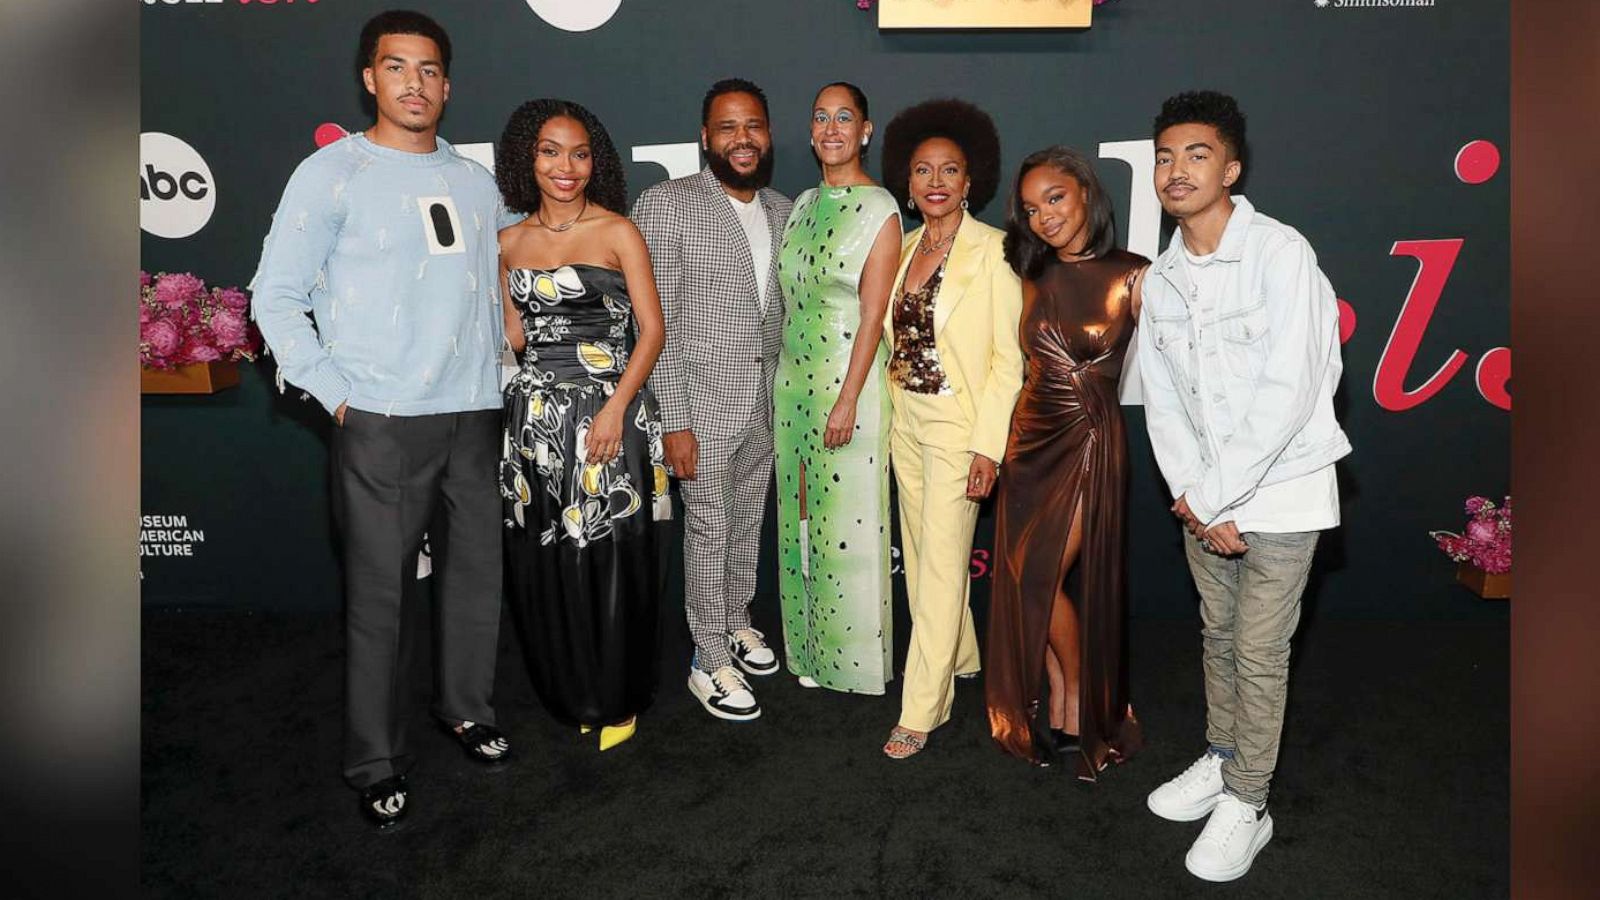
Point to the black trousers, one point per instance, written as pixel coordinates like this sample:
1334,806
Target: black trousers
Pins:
395,479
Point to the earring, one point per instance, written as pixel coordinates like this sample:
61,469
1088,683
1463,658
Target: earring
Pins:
863,142
963,203
911,203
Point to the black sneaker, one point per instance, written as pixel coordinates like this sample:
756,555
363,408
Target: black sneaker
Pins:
384,803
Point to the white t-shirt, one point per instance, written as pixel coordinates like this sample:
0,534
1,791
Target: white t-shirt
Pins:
754,219
1307,503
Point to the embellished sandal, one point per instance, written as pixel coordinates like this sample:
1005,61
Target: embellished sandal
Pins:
484,744
904,743
384,803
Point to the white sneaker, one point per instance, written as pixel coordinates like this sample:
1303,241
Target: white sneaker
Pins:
724,694
750,651
1233,836
806,681
1191,795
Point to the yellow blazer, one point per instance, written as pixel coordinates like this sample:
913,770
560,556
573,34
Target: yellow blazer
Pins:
976,319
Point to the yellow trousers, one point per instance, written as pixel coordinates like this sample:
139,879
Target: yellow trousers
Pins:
928,447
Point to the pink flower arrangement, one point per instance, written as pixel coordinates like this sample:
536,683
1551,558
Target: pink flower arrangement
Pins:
1487,543
181,321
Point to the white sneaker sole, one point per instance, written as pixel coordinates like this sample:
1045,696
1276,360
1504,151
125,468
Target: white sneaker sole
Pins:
1235,871
752,669
1199,810
724,714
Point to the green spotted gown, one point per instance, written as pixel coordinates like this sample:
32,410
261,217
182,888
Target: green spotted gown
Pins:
833,568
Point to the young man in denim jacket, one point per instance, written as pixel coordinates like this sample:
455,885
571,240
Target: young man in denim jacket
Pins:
1240,344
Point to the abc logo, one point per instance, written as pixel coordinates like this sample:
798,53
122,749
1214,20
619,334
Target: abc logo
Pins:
176,191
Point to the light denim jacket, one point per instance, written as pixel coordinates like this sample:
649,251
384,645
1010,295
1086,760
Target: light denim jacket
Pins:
1254,407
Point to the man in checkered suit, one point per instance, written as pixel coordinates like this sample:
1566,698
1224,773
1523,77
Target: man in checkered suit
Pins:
714,239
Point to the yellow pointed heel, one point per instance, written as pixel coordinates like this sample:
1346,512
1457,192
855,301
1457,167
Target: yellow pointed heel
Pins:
612,735
585,729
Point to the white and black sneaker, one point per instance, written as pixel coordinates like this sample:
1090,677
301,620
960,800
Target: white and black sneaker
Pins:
750,651
724,694
384,803
1234,834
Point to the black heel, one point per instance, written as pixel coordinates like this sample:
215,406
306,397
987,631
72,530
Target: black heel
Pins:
1064,743
1045,753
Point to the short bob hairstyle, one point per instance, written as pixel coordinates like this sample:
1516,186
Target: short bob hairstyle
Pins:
967,126
513,169
1026,251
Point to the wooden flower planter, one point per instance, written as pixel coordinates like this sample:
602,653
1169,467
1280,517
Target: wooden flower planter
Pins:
1485,585
195,378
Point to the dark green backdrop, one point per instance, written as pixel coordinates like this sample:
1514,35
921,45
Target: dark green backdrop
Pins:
1356,116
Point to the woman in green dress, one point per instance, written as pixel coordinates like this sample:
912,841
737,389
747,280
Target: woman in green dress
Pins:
840,251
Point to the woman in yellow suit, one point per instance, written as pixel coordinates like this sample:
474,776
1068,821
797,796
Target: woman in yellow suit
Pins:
954,372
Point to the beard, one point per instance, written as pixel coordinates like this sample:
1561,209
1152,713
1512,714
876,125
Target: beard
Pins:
758,178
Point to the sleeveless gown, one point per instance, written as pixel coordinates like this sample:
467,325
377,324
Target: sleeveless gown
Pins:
1067,447
833,566
580,539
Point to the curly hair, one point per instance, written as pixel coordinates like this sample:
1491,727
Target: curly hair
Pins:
513,171
969,127
1026,252
1218,110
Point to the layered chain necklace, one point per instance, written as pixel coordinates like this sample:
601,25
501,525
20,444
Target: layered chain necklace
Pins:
929,248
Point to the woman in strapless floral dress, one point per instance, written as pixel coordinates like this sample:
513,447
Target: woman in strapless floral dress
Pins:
582,470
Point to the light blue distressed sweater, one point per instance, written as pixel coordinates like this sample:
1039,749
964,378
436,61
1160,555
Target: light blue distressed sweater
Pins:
394,255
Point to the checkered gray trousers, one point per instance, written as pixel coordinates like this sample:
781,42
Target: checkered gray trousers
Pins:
714,377
723,509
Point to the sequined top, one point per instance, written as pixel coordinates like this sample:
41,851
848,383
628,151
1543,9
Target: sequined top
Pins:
914,365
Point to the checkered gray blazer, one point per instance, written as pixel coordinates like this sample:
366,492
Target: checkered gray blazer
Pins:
721,354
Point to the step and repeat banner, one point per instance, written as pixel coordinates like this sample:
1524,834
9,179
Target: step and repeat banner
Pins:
1378,128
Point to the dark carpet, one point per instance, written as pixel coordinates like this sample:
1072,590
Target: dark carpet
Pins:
1392,782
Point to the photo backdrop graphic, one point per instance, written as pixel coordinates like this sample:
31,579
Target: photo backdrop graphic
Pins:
1379,133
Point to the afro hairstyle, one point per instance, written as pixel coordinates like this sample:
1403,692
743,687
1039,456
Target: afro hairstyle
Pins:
967,126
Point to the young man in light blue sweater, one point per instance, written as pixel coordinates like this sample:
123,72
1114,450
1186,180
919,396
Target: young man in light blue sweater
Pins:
387,239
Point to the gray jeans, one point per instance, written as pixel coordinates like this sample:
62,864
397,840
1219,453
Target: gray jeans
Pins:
1249,607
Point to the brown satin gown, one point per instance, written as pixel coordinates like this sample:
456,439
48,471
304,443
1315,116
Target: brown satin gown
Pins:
1067,447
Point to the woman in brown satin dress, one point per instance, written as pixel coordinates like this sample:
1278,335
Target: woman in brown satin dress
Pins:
1062,502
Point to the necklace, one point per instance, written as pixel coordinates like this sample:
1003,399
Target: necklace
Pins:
539,215
929,248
